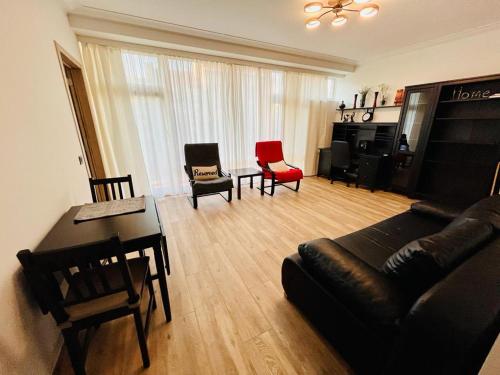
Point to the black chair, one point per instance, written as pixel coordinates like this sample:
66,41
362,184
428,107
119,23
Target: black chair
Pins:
342,163
96,293
106,187
205,155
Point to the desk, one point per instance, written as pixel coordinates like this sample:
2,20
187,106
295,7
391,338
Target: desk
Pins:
137,231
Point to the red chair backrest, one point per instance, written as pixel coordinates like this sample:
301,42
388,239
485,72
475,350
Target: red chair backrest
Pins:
268,152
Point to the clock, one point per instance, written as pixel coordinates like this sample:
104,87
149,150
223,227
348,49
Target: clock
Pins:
368,116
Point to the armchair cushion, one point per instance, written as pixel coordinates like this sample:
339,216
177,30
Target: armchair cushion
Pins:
216,185
293,174
279,166
364,290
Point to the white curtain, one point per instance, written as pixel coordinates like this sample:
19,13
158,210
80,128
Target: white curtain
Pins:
163,102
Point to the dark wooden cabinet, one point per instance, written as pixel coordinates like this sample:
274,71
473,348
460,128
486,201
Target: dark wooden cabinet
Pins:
374,171
453,131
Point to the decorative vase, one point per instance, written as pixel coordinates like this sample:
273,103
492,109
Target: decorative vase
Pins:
375,99
362,101
342,106
355,100
383,101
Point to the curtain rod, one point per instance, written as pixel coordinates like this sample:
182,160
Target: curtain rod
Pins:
200,56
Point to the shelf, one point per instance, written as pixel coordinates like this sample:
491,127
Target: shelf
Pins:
366,108
469,100
470,143
461,164
466,119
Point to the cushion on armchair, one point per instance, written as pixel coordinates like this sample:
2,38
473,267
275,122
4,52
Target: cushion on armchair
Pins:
367,292
212,186
424,261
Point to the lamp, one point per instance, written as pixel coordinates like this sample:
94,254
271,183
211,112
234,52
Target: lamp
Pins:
337,7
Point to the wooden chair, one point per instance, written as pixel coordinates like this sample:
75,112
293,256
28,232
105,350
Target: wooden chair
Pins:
96,293
107,187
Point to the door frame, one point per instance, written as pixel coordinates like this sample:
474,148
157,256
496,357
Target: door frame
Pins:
85,127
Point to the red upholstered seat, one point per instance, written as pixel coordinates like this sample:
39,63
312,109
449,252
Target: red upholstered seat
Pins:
272,152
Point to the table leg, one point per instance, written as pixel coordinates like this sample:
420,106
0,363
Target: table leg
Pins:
162,279
251,182
239,187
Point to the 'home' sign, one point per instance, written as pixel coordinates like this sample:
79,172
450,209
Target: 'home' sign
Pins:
461,94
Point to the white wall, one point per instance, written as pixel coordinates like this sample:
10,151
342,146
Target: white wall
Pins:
470,56
40,173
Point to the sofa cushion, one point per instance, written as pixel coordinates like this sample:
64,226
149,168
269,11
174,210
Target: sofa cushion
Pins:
365,291
438,210
422,262
378,242
487,209
212,186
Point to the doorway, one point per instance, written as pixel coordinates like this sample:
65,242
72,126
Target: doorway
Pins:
80,105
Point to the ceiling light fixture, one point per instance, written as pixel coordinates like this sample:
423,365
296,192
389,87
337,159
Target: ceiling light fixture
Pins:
337,7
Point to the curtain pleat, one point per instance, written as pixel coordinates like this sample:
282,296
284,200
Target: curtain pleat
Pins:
148,106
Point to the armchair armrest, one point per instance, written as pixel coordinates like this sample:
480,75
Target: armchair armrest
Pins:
224,173
266,169
364,290
292,166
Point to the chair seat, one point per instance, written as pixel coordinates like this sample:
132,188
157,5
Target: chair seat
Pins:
112,274
293,174
216,185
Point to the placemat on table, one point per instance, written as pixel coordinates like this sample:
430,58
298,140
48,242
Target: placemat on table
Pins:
100,210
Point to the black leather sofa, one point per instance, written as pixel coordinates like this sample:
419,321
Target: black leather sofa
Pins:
418,293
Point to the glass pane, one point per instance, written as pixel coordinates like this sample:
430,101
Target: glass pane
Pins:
418,103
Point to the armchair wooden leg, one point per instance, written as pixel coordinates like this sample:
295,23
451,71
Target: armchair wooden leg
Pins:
229,195
75,351
298,185
262,185
141,336
272,186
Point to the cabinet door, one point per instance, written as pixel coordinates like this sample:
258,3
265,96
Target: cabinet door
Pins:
414,126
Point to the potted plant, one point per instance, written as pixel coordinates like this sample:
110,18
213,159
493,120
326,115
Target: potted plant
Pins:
363,92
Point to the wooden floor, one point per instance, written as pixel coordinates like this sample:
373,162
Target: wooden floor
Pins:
229,311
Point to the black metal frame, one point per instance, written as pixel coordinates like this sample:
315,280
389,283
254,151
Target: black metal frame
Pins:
273,181
193,199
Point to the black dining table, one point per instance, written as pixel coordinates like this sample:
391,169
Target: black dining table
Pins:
137,231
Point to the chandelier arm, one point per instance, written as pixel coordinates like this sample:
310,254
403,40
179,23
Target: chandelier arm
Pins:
350,10
321,15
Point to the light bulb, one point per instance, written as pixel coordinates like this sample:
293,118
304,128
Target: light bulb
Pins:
312,23
369,10
313,7
339,20
362,1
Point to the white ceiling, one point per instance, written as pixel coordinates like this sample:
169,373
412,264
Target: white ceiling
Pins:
400,23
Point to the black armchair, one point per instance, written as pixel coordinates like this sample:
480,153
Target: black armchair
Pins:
205,155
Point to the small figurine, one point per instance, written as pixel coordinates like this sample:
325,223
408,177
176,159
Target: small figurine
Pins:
346,118
352,116
342,106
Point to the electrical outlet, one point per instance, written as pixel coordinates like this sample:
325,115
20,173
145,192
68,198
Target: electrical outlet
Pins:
80,159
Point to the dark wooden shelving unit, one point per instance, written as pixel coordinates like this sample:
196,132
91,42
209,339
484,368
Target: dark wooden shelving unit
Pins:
462,143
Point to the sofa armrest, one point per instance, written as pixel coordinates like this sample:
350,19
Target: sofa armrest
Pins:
435,209
455,323
364,290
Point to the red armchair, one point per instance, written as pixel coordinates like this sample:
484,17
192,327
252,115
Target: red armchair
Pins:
272,152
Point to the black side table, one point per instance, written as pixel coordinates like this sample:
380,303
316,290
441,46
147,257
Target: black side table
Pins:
244,173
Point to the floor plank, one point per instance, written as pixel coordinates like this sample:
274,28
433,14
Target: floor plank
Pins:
229,312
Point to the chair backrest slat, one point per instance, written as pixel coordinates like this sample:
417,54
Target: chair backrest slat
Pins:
107,186
88,283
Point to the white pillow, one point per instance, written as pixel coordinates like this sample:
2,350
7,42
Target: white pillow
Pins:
279,166
205,173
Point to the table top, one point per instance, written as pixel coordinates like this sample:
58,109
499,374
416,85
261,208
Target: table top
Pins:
245,172
135,229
